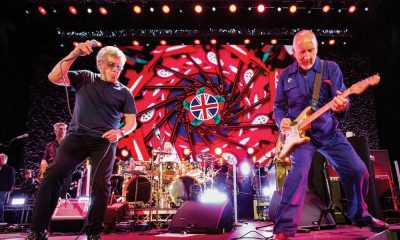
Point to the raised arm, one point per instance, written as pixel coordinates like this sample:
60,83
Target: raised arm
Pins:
55,76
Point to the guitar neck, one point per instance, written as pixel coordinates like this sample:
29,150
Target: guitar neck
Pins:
303,125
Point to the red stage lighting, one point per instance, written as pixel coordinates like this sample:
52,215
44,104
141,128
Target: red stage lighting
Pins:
232,8
213,41
331,42
274,41
260,8
352,8
42,10
135,43
326,8
137,9
103,10
166,9
293,9
163,42
198,8
197,41
218,151
246,41
124,153
187,151
250,150
72,10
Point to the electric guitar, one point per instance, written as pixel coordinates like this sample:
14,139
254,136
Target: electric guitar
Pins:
288,140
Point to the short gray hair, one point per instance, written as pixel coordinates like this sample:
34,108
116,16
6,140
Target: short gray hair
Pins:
58,124
110,51
3,156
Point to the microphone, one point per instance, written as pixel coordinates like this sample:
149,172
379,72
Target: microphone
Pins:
22,136
93,44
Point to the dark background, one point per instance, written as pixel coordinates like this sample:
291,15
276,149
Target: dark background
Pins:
30,46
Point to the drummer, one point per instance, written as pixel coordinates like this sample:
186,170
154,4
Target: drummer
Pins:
170,154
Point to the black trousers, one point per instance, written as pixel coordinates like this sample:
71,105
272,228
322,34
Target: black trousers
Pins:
74,150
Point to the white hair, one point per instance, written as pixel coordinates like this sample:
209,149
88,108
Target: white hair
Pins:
110,51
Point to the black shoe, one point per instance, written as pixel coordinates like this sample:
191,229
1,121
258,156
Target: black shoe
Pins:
94,237
374,225
33,235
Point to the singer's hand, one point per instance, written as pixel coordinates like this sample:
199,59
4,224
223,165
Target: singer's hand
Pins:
113,135
83,48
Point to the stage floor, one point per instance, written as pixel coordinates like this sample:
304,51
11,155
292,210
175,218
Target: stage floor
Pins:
245,229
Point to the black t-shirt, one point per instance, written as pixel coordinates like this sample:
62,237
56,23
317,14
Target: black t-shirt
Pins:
98,104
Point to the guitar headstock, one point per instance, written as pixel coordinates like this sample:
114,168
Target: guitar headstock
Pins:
360,87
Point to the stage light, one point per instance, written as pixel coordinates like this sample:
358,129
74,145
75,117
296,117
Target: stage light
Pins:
72,10
42,10
103,10
213,9
232,8
166,9
293,9
197,41
213,196
89,10
260,8
245,168
163,42
198,8
124,153
246,41
135,43
213,41
331,42
137,9
17,201
352,8
218,151
250,150
186,151
151,9
274,41
279,9
268,191
326,8
75,43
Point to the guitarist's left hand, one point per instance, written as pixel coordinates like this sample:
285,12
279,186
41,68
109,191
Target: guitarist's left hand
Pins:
339,103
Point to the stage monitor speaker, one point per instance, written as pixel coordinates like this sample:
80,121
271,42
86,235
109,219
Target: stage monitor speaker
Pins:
313,207
199,217
69,215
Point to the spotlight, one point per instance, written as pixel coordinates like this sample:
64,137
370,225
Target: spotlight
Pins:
72,10
163,42
198,8
331,42
135,43
213,9
42,10
213,41
89,10
274,41
352,8
186,151
245,168
151,9
137,9
213,196
246,41
268,191
279,9
124,153
293,9
232,8
250,150
326,8
17,201
103,10
166,9
218,151
197,41
261,8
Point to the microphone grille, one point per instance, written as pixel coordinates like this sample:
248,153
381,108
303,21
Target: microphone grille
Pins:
94,43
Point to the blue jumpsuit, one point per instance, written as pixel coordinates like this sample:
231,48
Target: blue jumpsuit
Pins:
293,94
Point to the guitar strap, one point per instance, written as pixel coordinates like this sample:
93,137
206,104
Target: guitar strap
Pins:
317,86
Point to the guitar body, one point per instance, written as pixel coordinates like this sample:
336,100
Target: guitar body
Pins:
287,141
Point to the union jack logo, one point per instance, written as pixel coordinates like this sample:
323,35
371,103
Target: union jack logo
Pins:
204,106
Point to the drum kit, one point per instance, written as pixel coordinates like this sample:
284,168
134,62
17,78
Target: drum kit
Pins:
168,182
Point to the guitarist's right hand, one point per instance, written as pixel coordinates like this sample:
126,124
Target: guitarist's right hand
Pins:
285,124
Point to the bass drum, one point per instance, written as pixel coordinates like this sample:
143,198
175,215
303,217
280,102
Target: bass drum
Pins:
184,188
137,189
